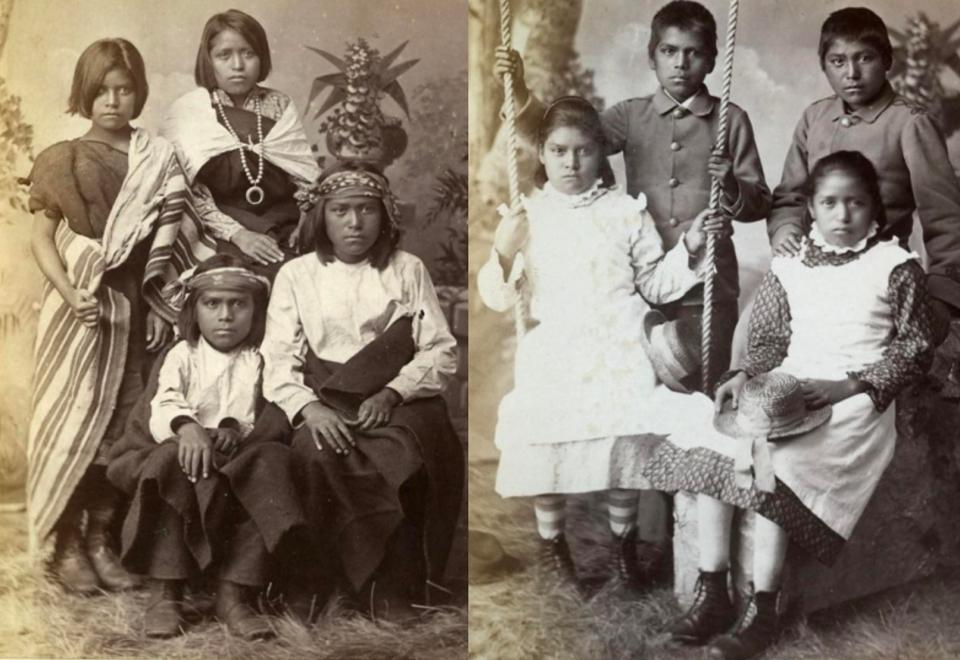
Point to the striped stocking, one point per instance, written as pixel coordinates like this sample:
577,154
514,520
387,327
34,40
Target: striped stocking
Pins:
622,510
551,512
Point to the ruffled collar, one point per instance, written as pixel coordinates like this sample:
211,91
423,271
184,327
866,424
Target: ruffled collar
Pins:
585,198
817,238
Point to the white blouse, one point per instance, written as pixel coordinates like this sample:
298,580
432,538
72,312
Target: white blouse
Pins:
206,385
336,309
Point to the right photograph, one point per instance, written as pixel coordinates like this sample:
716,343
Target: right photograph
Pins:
714,378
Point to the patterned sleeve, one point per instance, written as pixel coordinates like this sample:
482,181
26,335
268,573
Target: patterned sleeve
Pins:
769,331
217,222
910,352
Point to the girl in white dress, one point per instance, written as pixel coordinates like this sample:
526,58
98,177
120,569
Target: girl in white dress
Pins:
849,317
591,260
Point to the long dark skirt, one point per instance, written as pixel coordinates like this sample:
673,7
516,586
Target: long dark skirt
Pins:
409,473
235,518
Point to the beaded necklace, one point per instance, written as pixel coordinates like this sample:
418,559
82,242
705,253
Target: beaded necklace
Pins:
254,192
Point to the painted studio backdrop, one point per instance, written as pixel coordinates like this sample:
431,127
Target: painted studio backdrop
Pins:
426,134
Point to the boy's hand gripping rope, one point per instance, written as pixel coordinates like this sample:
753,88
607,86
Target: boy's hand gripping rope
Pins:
513,175
721,144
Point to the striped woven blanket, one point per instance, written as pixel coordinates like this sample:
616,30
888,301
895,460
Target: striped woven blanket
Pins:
78,369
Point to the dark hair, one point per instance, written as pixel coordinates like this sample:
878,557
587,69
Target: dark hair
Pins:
187,321
387,241
243,24
575,112
100,58
688,16
856,24
857,166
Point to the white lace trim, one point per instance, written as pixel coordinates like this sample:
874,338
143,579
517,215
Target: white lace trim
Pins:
585,198
817,238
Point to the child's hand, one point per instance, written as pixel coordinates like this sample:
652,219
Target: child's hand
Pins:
158,332
226,440
326,423
819,393
730,390
786,241
507,60
196,451
511,234
721,168
85,307
259,247
706,222
376,410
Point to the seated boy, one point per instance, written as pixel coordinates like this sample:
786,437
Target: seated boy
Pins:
667,141
901,140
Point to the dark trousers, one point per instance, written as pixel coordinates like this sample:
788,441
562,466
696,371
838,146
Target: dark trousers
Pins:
239,551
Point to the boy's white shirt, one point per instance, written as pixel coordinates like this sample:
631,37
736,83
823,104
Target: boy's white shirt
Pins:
206,385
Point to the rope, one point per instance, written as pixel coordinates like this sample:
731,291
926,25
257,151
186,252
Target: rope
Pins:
721,143
513,172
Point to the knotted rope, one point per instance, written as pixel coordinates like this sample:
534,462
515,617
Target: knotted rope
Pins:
721,143
513,171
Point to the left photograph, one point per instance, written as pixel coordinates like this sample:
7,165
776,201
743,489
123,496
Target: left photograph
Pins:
233,329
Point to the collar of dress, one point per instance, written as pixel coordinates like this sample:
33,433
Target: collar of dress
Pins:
256,92
585,198
816,238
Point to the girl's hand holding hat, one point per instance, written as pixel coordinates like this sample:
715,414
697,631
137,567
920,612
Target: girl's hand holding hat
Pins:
730,389
706,222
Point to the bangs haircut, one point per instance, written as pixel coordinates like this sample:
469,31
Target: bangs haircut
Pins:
687,16
243,24
100,58
856,24
187,321
387,240
858,167
574,112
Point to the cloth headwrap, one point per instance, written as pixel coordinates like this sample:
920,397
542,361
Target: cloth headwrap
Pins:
227,277
359,183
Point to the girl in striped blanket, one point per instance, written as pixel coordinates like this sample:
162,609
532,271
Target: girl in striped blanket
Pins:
108,208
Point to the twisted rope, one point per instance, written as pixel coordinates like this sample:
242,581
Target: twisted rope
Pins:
721,143
513,172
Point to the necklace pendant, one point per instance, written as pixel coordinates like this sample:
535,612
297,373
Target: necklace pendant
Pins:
254,195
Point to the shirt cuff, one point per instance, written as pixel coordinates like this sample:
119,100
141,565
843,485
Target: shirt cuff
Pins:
292,406
402,386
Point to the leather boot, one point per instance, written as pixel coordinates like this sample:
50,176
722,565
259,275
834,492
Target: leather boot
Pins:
623,562
234,610
755,632
555,565
712,612
70,565
100,547
655,563
400,580
164,616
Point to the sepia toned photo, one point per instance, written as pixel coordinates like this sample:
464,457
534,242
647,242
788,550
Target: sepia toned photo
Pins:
233,306
714,291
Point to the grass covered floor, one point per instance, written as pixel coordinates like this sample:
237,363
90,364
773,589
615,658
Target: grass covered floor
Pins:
511,619
38,620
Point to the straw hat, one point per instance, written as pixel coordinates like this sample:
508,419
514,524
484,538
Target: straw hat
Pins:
770,405
673,348
486,560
